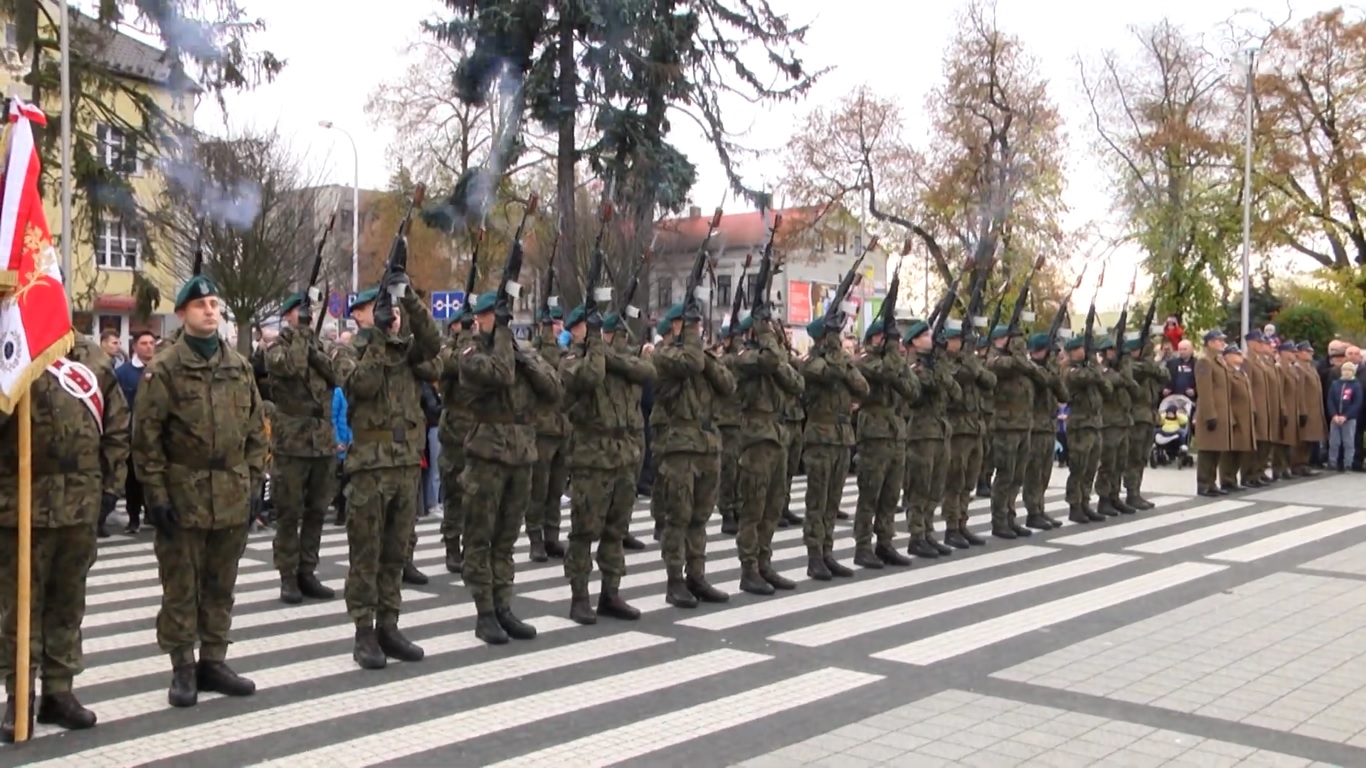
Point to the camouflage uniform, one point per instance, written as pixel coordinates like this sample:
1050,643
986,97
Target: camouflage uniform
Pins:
881,435
1043,431
1087,391
1117,420
1012,414
79,465
988,410
794,421
728,419
927,443
690,382
965,443
199,449
659,424
549,476
832,384
634,415
458,407
604,458
303,449
763,375
1150,376
388,433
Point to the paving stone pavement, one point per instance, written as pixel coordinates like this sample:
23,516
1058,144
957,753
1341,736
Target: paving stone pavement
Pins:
1089,645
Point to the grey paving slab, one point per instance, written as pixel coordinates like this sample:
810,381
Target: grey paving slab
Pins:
1351,560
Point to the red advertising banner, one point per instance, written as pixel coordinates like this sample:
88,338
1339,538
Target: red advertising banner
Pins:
798,302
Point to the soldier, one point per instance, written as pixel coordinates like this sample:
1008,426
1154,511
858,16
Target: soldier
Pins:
458,407
1211,420
832,384
927,440
794,419
727,414
1266,394
200,448
380,374
690,382
965,442
616,338
1313,426
1117,420
1012,414
1087,390
79,449
303,447
1293,411
604,458
659,422
881,437
988,415
763,374
1241,417
504,380
1151,377
549,478
1049,391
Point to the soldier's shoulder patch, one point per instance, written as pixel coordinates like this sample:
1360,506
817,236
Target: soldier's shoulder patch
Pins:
468,351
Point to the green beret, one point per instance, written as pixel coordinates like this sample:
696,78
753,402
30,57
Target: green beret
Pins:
485,303
816,328
953,333
366,296
664,326
674,313
611,322
197,287
576,316
1038,341
916,328
292,301
874,328
1076,342
1132,344
999,332
1105,343
982,342
746,323
556,313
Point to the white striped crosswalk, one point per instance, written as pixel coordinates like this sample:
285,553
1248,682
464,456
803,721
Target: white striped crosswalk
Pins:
619,692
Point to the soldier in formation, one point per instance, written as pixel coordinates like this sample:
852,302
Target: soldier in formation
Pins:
881,446
549,475
927,439
1016,378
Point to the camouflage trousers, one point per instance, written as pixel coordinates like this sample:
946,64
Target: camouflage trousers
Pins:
382,504
452,463
658,513
728,494
549,478
881,464
1083,459
61,559
685,493
495,502
988,470
795,445
1114,442
1010,449
1138,448
927,463
600,505
827,467
198,569
965,463
301,488
1038,469
762,474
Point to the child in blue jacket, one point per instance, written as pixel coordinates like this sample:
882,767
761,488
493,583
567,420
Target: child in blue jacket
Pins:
1344,408
343,434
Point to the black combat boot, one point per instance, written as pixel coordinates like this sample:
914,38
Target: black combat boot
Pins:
842,515
983,490
11,712
1053,521
1013,521
1092,514
782,521
411,575
658,533
313,589
753,583
1135,499
792,517
889,556
729,525
486,628
580,606
365,651
538,553
677,594
1105,508
865,557
513,626
632,543
63,710
815,567
1036,519
968,535
289,589
837,569
921,547
218,677
699,587
396,646
455,559
184,690
954,538
1077,514
553,547
776,579
1121,507
1002,530
944,549
611,604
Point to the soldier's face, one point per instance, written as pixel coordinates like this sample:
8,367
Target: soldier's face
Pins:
558,325
364,316
923,343
675,328
607,336
1076,355
200,316
1234,359
954,344
292,317
485,320
1000,343
579,331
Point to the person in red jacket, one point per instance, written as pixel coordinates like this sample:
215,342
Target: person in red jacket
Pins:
1172,330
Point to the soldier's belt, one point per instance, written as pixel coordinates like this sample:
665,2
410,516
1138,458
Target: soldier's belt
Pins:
315,412
396,435
212,463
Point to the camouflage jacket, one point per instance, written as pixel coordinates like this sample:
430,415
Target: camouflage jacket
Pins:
1151,377
1117,409
635,390
381,375
551,420
1013,397
763,376
890,383
302,379
986,396
833,383
726,412
690,383
1049,391
1086,393
76,459
794,411
965,412
199,443
458,404
927,419
597,380
492,376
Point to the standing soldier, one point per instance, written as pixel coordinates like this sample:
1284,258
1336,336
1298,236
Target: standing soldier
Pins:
79,449
659,422
1013,396
987,400
548,476
1087,391
504,380
763,376
1313,426
927,440
381,373
616,340
1117,420
965,444
881,447
604,458
1151,376
1294,415
1211,422
1242,413
1049,391
794,419
727,413
458,408
691,381
200,448
303,447
1264,357
832,383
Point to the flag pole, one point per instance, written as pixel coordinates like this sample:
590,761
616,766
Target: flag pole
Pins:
23,678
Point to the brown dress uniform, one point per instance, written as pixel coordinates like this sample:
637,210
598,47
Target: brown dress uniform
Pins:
1295,416
1241,423
1212,432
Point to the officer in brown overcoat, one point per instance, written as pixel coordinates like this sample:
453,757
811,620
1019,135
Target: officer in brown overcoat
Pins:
1241,420
1315,428
1211,421
1266,394
1292,411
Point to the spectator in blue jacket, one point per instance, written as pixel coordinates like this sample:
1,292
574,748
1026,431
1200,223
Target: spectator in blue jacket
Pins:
1344,408
129,374
343,432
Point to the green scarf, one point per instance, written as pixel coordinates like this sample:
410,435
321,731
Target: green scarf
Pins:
205,347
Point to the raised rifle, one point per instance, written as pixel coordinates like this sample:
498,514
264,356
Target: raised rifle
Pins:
693,292
976,298
1056,328
508,287
761,306
594,292
737,296
327,291
390,290
629,310
1151,314
838,310
1122,326
1017,314
1089,337
467,311
548,300
889,329
310,292
941,312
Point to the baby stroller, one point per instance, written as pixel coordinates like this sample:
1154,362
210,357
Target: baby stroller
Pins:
1171,439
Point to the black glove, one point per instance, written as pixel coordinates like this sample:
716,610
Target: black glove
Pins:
692,313
164,519
107,502
384,315
502,312
1304,421
1285,421
1210,424
594,320
306,313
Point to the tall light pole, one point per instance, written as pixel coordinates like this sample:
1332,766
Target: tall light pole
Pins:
355,206
64,46
1247,195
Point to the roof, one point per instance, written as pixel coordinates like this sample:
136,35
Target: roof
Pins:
737,230
123,53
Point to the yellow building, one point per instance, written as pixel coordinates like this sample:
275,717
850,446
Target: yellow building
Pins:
105,261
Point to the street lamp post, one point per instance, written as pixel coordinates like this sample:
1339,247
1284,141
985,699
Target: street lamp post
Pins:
1247,195
355,206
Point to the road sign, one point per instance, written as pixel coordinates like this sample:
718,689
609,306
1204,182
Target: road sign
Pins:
350,297
446,304
335,307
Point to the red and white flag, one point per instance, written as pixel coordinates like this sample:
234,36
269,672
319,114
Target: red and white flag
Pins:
35,318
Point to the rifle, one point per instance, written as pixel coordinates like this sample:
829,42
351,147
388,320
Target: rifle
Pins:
1056,328
1017,314
975,300
693,292
738,295
889,329
627,308
1123,325
1148,318
941,311
761,307
310,293
594,294
547,300
197,268
466,313
508,288
327,291
1089,339
838,310
396,265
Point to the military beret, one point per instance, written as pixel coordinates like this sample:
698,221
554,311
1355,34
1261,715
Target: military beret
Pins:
485,303
1105,343
1254,335
1213,335
1076,342
664,327
874,328
674,313
1038,341
746,323
999,332
1132,344
816,328
916,328
611,322
197,287
366,296
982,342
1233,349
1304,346
953,333
576,316
291,301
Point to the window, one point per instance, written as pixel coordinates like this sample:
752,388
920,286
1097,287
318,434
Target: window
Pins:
664,292
116,246
858,243
841,240
722,291
751,283
118,151
820,242
12,36
344,219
